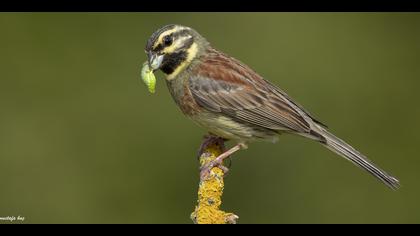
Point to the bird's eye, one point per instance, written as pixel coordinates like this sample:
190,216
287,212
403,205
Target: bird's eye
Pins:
167,40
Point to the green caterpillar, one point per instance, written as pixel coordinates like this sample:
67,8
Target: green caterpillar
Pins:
148,77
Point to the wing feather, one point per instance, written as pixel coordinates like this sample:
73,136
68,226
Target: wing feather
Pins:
233,89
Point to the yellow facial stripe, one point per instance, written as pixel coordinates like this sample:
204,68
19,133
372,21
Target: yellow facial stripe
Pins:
177,28
191,53
176,44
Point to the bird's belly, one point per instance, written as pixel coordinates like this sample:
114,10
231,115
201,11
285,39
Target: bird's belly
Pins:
228,128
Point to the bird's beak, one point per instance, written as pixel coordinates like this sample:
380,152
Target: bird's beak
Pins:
155,60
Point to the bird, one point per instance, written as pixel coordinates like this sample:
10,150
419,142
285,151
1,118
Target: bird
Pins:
231,101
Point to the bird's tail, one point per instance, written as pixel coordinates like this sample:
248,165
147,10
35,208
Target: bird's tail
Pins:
345,150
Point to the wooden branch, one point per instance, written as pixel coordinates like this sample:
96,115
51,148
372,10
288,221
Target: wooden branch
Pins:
210,188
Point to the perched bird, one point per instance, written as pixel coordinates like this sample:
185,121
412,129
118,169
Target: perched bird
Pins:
232,101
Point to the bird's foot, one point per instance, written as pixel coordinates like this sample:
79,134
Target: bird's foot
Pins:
218,162
206,169
208,140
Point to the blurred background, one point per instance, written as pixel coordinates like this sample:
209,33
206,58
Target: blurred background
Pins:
82,140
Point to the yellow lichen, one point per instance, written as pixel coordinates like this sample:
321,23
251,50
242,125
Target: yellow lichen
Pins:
210,192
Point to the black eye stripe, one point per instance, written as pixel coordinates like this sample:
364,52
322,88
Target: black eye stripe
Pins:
188,43
158,48
167,40
173,36
181,33
156,34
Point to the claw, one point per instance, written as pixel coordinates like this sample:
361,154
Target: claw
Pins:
218,162
209,139
206,169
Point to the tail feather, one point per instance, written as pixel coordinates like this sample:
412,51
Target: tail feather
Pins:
345,150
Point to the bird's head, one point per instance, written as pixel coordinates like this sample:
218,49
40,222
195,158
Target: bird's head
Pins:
172,48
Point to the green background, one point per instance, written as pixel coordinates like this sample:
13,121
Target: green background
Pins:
82,140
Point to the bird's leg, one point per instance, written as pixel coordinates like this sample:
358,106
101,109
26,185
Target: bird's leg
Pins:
209,139
205,170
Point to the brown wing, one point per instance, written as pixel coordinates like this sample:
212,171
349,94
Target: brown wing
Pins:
222,84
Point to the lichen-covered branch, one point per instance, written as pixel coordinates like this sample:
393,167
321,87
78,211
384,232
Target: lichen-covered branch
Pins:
210,189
